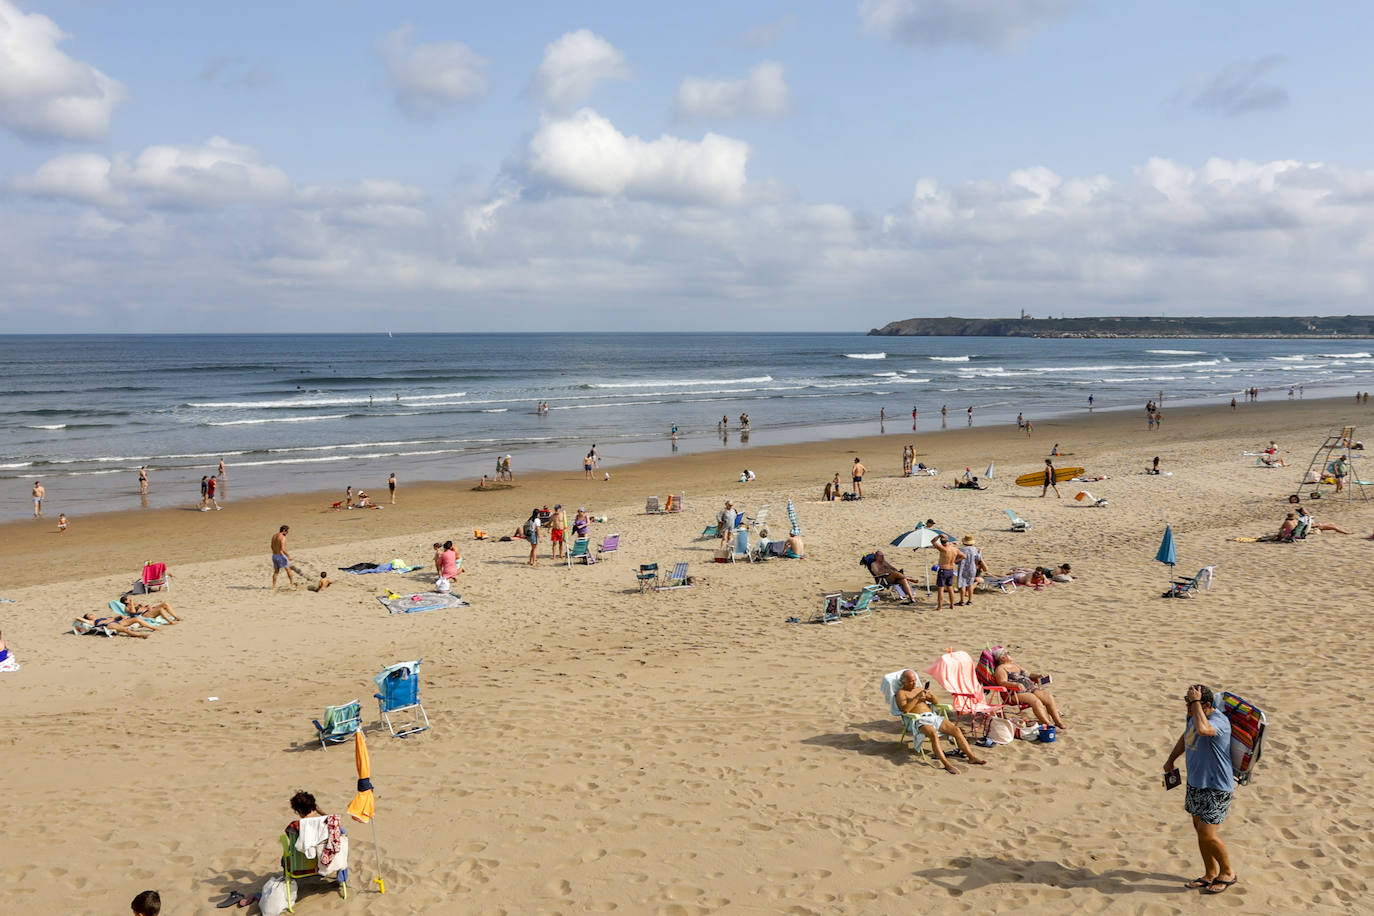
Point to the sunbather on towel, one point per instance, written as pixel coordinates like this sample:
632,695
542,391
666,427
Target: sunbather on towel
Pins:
911,698
1025,691
889,575
121,625
163,610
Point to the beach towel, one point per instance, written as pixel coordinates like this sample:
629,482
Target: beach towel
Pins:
423,601
362,569
7,662
313,833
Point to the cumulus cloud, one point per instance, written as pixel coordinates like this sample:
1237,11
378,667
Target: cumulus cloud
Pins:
429,79
763,93
934,23
215,173
1238,89
81,177
586,154
44,94
573,66
1217,237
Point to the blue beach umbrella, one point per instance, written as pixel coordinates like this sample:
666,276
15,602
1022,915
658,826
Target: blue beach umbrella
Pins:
1167,553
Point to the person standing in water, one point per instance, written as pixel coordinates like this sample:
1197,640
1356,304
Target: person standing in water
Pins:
143,480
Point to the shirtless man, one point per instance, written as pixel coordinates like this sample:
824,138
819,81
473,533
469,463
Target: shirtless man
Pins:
280,558
914,700
1049,480
39,494
945,576
891,575
857,474
795,548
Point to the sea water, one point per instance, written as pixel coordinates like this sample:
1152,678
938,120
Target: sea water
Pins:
293,413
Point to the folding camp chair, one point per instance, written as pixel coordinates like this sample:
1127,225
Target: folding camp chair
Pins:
861,606
647,576
1247,735
954,671
609,545
676,579
581,550
890,685
340,722
296,864
1188,588
83,627
741,546
1017,522
710,532
651,506
675,502
1004,584
155,576
400,692
760,517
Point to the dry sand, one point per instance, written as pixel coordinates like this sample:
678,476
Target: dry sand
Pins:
689,751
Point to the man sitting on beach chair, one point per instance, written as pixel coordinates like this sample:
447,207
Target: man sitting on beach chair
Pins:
912,699
888,576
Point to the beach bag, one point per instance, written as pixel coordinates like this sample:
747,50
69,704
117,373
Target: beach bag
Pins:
529,530
987,667
273,899
442,586
1000,731
1029,732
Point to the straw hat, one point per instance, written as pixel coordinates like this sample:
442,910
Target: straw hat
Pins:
968,539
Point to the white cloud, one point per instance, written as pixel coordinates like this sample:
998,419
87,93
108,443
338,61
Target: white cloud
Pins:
573,66
428,79
1217,237
45,94
586,154
763,93
764,36
216,173
933,23
81,177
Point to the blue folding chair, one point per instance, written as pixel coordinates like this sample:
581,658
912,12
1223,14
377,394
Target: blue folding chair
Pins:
400,693
340,722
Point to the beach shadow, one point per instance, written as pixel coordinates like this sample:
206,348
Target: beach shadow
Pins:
886,748
966,874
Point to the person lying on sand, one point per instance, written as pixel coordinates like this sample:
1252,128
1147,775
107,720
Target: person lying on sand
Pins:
122,625
163,610
915,700
1025,688
887,574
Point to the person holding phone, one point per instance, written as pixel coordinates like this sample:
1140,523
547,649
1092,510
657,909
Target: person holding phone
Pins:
1026,689
915,700
1205,746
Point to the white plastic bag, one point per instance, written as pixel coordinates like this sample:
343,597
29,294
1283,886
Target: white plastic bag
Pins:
273,898
441,585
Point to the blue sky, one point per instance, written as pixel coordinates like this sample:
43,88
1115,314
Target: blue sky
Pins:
620,165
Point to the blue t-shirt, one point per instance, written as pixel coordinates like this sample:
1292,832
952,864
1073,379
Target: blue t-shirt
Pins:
1209,759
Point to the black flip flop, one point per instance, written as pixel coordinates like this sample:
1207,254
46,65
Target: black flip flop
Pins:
1199,883
1219,886
233,900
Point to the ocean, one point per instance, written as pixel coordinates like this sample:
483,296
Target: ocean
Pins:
295,413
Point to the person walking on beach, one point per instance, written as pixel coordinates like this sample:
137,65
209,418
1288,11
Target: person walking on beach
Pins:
62,522
204,485
1050,474
505,469
1090,403
39,494
280,558
531,531
1205,746
391,485
210,495
143,480
1028,427
857,475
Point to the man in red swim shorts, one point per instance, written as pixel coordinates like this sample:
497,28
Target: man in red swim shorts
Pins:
557,523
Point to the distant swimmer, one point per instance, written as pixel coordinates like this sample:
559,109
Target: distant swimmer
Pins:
221,468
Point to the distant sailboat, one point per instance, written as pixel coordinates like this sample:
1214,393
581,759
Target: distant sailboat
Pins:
388,333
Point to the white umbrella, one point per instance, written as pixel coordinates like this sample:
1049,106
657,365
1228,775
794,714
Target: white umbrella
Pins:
918,538
988,473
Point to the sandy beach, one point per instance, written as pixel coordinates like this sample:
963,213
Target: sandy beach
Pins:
690,751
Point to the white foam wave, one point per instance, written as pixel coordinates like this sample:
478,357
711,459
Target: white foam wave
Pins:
52,426
21,464
949,359
1360,355
1289,359
866,355
1179,352
886,374
669,383
331,416
431,397
496,410
307,403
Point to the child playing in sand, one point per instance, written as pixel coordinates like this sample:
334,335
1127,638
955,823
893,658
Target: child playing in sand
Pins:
61,521
321,585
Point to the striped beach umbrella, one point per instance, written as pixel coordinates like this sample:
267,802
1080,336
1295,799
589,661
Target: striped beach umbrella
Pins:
792,517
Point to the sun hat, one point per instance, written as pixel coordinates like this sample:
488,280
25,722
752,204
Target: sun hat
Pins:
968,539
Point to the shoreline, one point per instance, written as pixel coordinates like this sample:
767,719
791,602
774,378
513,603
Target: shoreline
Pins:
124,538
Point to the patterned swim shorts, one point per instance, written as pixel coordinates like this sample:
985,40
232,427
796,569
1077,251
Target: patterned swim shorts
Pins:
1208,805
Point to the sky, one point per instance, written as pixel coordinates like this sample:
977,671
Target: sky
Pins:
827,166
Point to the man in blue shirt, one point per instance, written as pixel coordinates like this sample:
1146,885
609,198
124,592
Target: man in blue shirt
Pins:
1206,747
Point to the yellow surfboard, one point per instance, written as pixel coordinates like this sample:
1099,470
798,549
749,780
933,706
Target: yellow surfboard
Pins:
1037,478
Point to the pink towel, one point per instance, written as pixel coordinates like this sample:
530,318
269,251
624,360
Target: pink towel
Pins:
153,571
